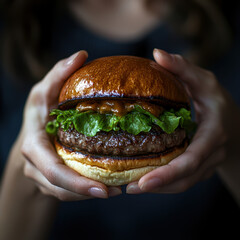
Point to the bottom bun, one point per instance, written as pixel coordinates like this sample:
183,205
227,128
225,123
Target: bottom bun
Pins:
116,171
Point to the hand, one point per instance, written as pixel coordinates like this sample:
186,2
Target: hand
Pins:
216,138
41,162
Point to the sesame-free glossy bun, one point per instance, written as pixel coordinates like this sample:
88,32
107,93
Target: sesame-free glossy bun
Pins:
123,77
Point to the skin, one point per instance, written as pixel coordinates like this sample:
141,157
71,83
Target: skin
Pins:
215,141
35,177
118,20
54,178
38,186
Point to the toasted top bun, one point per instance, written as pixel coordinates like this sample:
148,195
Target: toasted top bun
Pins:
123,77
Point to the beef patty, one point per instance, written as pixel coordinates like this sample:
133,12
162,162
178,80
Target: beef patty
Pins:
122,143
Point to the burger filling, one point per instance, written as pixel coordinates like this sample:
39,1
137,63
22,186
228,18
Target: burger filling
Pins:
122,143
120,128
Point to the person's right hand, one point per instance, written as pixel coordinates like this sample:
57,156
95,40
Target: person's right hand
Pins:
41,162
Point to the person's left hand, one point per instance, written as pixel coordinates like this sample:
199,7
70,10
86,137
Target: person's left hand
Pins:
216,138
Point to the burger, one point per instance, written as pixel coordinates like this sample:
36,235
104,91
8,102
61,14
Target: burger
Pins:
119,118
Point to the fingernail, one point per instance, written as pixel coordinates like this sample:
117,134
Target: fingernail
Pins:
70,60
98,192
114,191
155,50
161,53
151,184
133,189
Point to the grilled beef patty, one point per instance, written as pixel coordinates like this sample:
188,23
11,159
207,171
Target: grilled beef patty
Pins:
122,143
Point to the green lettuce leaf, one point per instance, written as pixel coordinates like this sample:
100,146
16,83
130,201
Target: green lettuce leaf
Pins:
52,127
168,121
186,120
88,124
91,123
135,122
139,120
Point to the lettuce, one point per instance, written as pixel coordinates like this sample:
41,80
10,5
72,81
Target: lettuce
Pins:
135,122
139,120
91,123
168,121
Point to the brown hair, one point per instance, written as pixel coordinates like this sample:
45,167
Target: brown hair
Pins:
25,45
202,22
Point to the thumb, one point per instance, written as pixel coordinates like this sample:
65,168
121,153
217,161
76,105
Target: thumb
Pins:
196,79
55,78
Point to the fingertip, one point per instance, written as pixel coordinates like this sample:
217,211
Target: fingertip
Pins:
161,56
133,188
81,56
98,192
150,185
84,52
114,191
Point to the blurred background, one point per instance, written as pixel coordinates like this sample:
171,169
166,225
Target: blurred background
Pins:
34,35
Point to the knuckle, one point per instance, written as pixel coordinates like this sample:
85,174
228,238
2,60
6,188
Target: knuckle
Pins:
221,133
212,81
44,191
169,175
210,75
184,186
25,148
59,65
26,169
36,94
62,197
193,163
35,91
178,57
51,176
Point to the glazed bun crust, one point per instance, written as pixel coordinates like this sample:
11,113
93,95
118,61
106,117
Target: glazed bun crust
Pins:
114,171
123,77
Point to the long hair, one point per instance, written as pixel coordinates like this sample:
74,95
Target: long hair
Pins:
27,29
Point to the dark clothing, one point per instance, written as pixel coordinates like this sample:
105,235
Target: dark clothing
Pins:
206,210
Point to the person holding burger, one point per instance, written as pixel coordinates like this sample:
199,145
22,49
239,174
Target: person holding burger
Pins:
76,91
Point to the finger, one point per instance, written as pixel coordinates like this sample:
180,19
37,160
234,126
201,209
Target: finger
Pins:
54,80
42,154
46,92
180,167
44,95
114,191
180,184
201,85
195,77
185,183
133,188
47,188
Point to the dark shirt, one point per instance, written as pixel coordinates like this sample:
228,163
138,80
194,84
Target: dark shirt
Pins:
206,210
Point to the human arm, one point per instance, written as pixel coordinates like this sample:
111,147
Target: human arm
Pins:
25,213
35,176
216,139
